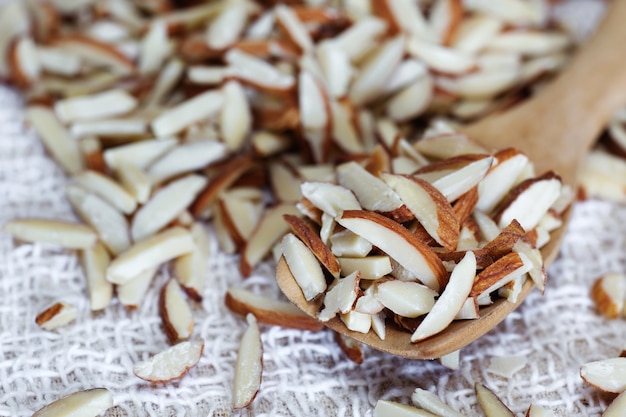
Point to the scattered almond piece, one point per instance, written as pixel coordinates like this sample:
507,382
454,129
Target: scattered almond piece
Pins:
249,366
170,364
57,232
608,375
609,294
175,312
91,402
55,316
491,404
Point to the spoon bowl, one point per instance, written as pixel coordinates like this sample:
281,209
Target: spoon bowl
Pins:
555,128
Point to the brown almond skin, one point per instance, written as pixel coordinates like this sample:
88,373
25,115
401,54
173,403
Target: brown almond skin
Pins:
464,205
350,347
48,314
273,317
168,328
495,272
603,301
305,232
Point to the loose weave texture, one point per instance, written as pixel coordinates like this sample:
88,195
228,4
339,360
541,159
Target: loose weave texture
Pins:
304,373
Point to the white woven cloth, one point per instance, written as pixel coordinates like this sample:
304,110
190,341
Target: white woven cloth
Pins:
304,373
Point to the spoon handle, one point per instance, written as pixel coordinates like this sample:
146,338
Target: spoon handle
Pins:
558,125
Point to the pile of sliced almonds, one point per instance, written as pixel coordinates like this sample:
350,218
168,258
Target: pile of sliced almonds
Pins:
425,247
165,114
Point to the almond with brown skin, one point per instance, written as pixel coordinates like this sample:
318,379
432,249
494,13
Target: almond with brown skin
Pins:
349,346
498,273
269,310
609,294
397,242
57,315
176,315
249,366
608,375
305,232
491,404
172,363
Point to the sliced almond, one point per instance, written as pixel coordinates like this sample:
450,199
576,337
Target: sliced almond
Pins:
448,145
166,80
249,366
175,312
429,206
140,154
191,269
91,402
357,321
407,299
529,43
228,26
357,40
165,205
195,109
430,402
135,181
329,198
304,267
293,27
412,100
170,364
235,117
609,294
340,296
398,243
369,267
95,262
507,167
502,271
97,106
107,189
311,239
24,62
608,375
385,408
258,73
352,348
55,316
450,301
349,244
440,58
56,232
97,53
491,404
56,138
132,293
529,201
15,21
149,253
270,229
269,311
106,220
336,66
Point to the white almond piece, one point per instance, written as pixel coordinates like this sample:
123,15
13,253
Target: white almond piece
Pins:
110,224
227,28
153,48
330,198
149,253
491,404
407,299
340,296
506,366
357,40
27,58
608,375
356,321
139,154
57,61
440,58
609,294
109,128
474,32
370,267
529,43
97,106
244,214
269,230
451,360
344,130
208,75
304,267
430,402
87,403
285,185
193,110
135,181
532,202
165,205
349,244
412,100
483,84
57,232
257,72
378,325
407,73
538,272
368,303
95,262
172,363
14,20
336,66
385,408
191,269
235,117
134,291
499,181
186,157
469,310
249,366
295,29
166,80
175,312
447,145
372,192
55,316
312,102
262,27
269,143
107,189
450,301
617,407
372,79
458,182
56,138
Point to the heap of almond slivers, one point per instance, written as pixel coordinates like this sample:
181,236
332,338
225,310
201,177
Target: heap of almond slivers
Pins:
425,247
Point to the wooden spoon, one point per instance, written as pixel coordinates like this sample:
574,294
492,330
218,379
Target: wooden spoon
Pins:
555,128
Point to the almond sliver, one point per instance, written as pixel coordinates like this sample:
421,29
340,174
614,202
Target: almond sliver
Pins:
57,232
198,108
97,106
